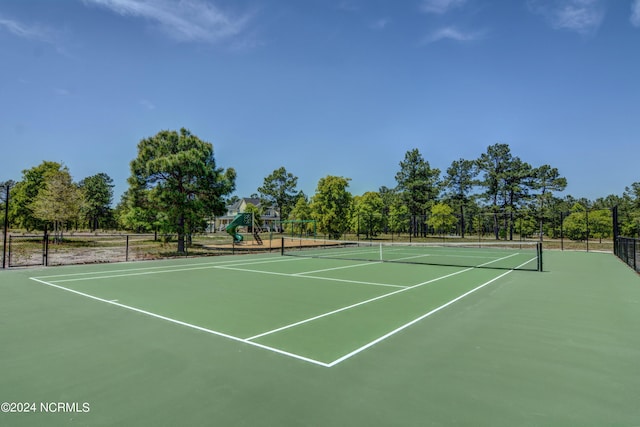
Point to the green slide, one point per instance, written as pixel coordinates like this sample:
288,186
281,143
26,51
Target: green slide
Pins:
243,219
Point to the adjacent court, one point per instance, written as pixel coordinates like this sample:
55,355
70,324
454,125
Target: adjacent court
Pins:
334,337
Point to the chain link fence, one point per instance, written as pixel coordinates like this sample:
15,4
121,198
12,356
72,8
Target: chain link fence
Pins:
29,250
628,250
588,230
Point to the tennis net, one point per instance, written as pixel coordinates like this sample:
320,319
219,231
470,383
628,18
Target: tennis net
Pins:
504,255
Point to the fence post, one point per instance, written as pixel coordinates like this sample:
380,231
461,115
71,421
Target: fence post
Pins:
587,219
6,226
616,231
561,231
45,248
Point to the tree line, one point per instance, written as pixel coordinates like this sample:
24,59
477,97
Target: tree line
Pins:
497,191
176,187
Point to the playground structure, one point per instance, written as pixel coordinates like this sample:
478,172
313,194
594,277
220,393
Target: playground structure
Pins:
298,228
244,220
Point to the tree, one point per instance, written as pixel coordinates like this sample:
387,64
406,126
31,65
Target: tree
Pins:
507,181
399,217
301,212
279,188
175,175
26,190
419,185
575,225
633,192
4,186
442,218
494,164
600,224
526,225
58,201
136,212
547,180
367,214
97,191
518,181
388,196
629,213
330,205
459,182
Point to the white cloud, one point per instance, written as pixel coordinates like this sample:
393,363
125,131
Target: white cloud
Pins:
35,32
440,6
61,91
349,6
31,32
380,24
635,13
452,33
581,16
147,104
184,20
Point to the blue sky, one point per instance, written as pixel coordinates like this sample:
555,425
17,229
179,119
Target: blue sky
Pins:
332,87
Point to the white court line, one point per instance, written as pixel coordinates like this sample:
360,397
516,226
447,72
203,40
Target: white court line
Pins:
289,354
366,264
333,253
124,270
297,275
179,322
156,270
301,322
411,257
487,256
406,325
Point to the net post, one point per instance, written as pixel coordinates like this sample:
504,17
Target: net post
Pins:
282,246
539,253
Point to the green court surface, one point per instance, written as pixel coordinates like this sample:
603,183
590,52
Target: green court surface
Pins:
267,340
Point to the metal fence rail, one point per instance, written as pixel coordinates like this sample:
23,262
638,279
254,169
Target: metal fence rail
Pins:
628,250
85,248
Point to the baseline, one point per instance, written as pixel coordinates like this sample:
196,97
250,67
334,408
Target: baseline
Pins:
76,277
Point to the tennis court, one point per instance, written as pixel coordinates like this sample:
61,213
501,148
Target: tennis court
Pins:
314,340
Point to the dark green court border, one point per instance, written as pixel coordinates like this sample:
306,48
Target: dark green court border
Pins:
558,348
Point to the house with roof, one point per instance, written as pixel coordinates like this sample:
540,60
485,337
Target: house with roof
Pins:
269,217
